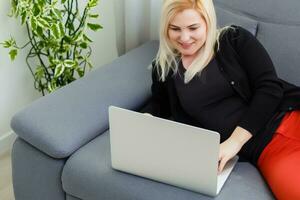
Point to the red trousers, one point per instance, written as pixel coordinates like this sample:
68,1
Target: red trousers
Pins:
279,162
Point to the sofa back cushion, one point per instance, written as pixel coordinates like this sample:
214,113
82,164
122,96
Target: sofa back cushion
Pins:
227,18
277,28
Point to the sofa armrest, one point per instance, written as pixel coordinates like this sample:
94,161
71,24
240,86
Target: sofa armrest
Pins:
63,121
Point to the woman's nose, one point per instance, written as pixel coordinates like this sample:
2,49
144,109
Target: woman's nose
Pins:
184,36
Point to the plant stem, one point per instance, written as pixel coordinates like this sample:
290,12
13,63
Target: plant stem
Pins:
27,62
37,52
81,21
35,80
24,45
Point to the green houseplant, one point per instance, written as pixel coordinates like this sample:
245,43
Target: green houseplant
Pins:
59,48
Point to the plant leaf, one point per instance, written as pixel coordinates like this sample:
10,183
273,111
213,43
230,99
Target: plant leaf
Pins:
93,15
94,27
78,37
67,39
61,29
41,3
83,45
89,64
36,10
7,44
23,17
54,2
13,53
92,3
49,87
55,31
69,63
43,23
59,69
39,72
52,86
33,23
86,38
13,8
39,31
80,72
57,13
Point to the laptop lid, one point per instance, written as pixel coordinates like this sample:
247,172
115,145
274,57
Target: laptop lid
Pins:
164,150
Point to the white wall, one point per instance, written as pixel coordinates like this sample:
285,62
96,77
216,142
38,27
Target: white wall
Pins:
155,7
120,25
16,82
136,22
104,45
141,21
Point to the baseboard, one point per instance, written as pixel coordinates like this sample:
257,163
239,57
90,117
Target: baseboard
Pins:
6,142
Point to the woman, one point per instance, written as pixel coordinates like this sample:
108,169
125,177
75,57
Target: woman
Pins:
224,80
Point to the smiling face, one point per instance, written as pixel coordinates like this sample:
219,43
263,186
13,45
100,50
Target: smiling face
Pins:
187,32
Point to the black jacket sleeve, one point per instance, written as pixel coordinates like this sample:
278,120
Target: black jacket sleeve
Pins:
266,87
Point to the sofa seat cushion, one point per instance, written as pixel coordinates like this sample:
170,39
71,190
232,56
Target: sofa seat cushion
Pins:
88,175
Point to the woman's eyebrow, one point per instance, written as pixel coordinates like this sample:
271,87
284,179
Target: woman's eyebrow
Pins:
174,26
196,24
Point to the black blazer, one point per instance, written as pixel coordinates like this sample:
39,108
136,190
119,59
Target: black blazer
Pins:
246,65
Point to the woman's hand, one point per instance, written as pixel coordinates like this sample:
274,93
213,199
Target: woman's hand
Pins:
230,147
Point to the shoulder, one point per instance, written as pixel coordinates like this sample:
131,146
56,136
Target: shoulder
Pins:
235,32
237,37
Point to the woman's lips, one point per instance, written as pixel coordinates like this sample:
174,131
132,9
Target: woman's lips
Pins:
186,45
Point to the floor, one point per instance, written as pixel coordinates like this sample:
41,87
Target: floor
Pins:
6,190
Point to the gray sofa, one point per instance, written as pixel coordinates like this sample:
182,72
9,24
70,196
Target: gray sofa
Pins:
63,152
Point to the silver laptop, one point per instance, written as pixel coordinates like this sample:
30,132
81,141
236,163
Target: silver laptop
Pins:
166,151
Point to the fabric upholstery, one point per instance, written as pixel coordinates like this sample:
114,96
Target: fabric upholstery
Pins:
69,197
88,175
278,29
35,175
61,122
281,41
276,11
226,18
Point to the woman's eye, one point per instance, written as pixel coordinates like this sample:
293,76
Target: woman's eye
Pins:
193,28
175,29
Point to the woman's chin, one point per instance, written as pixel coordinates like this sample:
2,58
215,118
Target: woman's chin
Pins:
187,53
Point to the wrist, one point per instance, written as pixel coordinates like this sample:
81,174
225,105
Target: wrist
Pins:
241,135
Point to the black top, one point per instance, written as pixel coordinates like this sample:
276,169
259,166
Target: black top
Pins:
210,99
246,66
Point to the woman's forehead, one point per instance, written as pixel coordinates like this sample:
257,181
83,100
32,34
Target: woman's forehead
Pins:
186,17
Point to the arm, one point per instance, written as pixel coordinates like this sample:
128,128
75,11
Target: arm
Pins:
61,122
230,147
266,88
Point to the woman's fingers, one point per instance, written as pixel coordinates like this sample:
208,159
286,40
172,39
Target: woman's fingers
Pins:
222,163
228,149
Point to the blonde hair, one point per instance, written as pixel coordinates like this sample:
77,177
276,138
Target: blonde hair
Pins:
166,56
